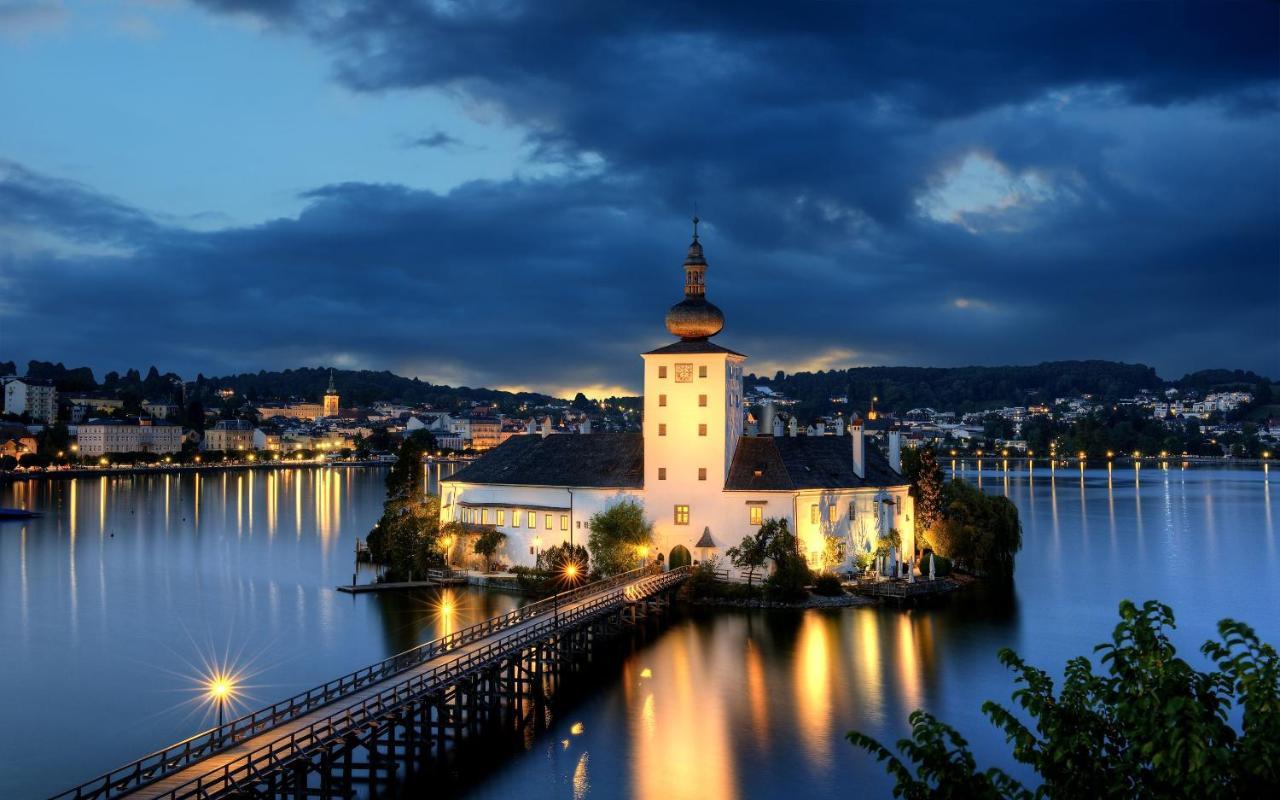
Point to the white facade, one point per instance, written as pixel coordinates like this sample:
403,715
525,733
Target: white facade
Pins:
699,473
36,398
100,437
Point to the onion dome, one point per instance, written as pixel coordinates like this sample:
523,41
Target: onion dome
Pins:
694,318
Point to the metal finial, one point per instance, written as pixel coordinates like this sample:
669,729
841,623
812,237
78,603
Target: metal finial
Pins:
695,221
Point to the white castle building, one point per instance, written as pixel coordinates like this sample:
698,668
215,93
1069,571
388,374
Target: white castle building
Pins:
703,484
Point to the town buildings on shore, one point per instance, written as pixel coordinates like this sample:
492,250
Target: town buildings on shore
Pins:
704,483
100,437
34,397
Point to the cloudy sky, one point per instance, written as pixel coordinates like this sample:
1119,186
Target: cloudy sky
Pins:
498,193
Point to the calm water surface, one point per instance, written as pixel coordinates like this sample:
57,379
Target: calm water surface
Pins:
103,637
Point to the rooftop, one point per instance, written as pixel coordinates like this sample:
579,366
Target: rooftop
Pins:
786,463
603,460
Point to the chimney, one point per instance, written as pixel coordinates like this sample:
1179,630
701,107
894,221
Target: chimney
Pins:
777,426
895,450
859,449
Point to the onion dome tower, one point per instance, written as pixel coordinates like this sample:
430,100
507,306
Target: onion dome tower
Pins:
693,318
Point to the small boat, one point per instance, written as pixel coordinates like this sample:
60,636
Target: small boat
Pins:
17,513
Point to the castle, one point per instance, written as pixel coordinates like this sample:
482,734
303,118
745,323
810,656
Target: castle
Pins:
703,483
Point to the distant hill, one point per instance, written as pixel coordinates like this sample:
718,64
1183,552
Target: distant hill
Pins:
362,387
899,388
976,388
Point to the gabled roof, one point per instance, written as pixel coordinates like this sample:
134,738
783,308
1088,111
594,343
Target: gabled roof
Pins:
600,460
787,463
706,540
692,347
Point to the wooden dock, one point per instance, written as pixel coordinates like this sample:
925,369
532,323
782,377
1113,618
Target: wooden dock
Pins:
435,578
900,590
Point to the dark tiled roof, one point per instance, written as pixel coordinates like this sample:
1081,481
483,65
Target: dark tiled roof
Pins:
691,346
606,460
804,462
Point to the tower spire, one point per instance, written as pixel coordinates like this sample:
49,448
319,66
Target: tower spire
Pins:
332,389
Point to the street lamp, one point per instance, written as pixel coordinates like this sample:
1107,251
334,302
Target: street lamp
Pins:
569,577
221,689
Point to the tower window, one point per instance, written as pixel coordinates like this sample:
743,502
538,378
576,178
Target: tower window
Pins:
662,429
662,400
813,513
702,371
662,372
756,515
702,429
662,473
682,515
702,400
702,473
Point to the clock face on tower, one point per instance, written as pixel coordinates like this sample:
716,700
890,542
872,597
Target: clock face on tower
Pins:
684,373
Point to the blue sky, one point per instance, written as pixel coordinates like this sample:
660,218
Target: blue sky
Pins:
497,193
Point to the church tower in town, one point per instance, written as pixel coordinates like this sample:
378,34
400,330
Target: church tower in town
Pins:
692,411
331,398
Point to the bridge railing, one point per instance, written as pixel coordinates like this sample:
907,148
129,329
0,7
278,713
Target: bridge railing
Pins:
282,752
156,765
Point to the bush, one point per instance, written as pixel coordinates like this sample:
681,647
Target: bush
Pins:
864,561
1148,724
788,581
828,586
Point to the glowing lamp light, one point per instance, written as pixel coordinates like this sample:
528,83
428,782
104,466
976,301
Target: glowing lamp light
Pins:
220,688
571,571
1110,454
576,729
1080,455
646,673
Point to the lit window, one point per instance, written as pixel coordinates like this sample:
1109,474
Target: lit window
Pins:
662,429
502,516
853,507
832,514
662,473
546,522
662,400
813,513
756,514
702,473
702,400
662,372
702,429
682,515
484,516
533,519
564,522
702,371
515,518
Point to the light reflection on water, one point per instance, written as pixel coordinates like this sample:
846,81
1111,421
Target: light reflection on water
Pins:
126,581
745,703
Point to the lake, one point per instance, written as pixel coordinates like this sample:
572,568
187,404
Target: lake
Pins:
129,589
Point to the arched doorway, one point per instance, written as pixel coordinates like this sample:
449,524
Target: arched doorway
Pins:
679,557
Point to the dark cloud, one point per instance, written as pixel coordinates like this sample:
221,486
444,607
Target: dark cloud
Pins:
884,183
435,140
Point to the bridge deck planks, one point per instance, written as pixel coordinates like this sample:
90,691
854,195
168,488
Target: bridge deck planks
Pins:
218,760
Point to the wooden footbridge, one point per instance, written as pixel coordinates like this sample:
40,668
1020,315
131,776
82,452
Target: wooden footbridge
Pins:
366,733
